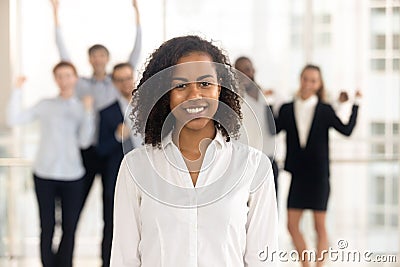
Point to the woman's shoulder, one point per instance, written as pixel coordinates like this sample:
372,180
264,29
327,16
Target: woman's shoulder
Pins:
286,107
248,152
256,162
147,151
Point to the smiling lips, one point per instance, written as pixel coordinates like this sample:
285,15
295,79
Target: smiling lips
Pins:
194,110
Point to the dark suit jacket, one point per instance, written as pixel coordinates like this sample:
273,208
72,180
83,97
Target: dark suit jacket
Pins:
314,158
108,146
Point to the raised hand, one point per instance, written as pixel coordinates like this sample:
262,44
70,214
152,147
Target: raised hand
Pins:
55,4
343,96
268,92
135,6
88,102
19,82
123,131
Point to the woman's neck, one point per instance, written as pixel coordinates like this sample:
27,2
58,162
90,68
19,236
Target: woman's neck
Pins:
193,143
305,97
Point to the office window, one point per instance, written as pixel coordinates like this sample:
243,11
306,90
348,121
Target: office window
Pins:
378,64
395,191
377,219
296,38
394,222
380,11
380,190
378,41
395,128
378,149
377,128
396,147
396,41
322,30
384,193
396,64
322,19
322,39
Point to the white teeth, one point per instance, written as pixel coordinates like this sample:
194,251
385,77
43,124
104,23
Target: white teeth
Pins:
194,110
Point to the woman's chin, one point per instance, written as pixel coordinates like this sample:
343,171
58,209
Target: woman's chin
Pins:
197,124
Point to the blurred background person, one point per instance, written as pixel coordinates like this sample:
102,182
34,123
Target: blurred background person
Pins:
306,122
115,140
255,102
101,87
66,125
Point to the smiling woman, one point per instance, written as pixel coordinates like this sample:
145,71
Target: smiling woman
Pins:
193,195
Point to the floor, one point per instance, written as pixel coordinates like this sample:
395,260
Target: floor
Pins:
87,251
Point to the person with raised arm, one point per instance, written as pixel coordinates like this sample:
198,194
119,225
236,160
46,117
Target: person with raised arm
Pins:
66,126
306,121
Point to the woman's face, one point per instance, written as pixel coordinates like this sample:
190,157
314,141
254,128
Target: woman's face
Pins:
310,83
195,91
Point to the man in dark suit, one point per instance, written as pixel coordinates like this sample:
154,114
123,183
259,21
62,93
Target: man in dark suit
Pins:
115,140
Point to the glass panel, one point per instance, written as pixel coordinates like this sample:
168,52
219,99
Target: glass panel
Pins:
378,64
394,220
396,64
380,190
395,190
323,39
378,41
396,128
378,20
297,21
396,147
396,19
322,19
377,219
377,128
296,40
380,11
378,149
396,41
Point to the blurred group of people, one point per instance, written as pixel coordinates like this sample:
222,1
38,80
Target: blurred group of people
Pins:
82,135
85,132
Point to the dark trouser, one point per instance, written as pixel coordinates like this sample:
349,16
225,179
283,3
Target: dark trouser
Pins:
94,164
275,170
69,193
108,210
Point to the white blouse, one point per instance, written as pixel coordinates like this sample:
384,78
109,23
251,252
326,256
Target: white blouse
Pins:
304,111
162,219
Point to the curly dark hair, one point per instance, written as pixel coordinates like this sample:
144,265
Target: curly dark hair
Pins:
149,113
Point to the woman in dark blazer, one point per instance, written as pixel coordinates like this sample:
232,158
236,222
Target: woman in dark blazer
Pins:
306,122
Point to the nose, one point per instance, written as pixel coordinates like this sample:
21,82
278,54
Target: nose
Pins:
194,91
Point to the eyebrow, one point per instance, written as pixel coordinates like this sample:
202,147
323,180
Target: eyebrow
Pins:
198,78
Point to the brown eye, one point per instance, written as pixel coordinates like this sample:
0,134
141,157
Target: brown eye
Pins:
179,86
205,84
